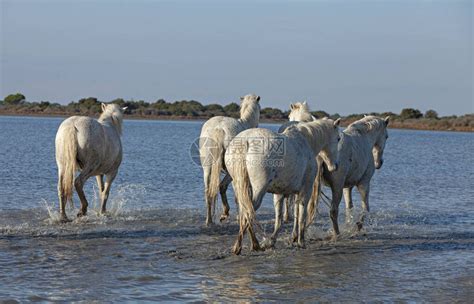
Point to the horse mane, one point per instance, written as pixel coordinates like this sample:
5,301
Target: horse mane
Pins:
367,124
315,131
250,112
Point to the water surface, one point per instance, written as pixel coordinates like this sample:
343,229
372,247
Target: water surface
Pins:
418,244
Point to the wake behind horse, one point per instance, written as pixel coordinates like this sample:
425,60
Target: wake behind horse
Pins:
216,135
256,167
360,153
92,147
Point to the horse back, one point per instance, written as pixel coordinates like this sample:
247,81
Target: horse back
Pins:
98,145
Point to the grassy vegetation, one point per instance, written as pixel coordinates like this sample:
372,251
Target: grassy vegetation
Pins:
16,104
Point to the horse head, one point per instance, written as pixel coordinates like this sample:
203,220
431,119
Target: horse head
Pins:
250,109
379,146
299,111
113,112
330,152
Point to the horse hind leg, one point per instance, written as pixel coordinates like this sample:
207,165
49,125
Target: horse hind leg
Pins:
62,199
294,233
277,203
79,185
237,248
224,185
301,200
286,213
207,198
259,192
255,244
301,224
109,178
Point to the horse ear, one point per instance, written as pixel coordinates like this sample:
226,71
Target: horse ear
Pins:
242,98
305,103
337,122
292,106
258,98
103,105
387,119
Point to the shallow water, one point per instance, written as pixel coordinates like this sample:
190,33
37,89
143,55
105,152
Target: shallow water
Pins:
418,243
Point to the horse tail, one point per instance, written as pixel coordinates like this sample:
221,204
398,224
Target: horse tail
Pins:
242,188
216,150
66,155
315,195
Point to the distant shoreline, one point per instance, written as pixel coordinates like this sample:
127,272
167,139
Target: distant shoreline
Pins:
403,125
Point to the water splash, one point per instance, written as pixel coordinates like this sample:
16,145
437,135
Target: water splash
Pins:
125,199
54,216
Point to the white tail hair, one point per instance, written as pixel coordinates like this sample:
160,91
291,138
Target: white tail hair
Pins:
243,189
217,153
66,155
315,195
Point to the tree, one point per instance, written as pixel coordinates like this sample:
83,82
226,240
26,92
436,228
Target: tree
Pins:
90,104
232,108
44,104
320,114
214,110
409,113
214,107
432,114
271,113
14,99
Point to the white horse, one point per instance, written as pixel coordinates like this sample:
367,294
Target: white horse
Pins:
299,112
92,147
260,161
360,153
216,135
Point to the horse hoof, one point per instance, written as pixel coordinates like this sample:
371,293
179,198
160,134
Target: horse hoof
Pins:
209,221
359,226
81,214
301,246
268,244
223,217
258,248
331,238
236,250
210,225
64,219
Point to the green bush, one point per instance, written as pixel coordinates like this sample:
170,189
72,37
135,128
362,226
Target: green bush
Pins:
410,113
14,99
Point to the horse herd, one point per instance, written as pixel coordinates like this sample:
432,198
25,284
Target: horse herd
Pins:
291,163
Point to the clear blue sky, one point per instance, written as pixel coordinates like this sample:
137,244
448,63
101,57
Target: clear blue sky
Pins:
342,56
